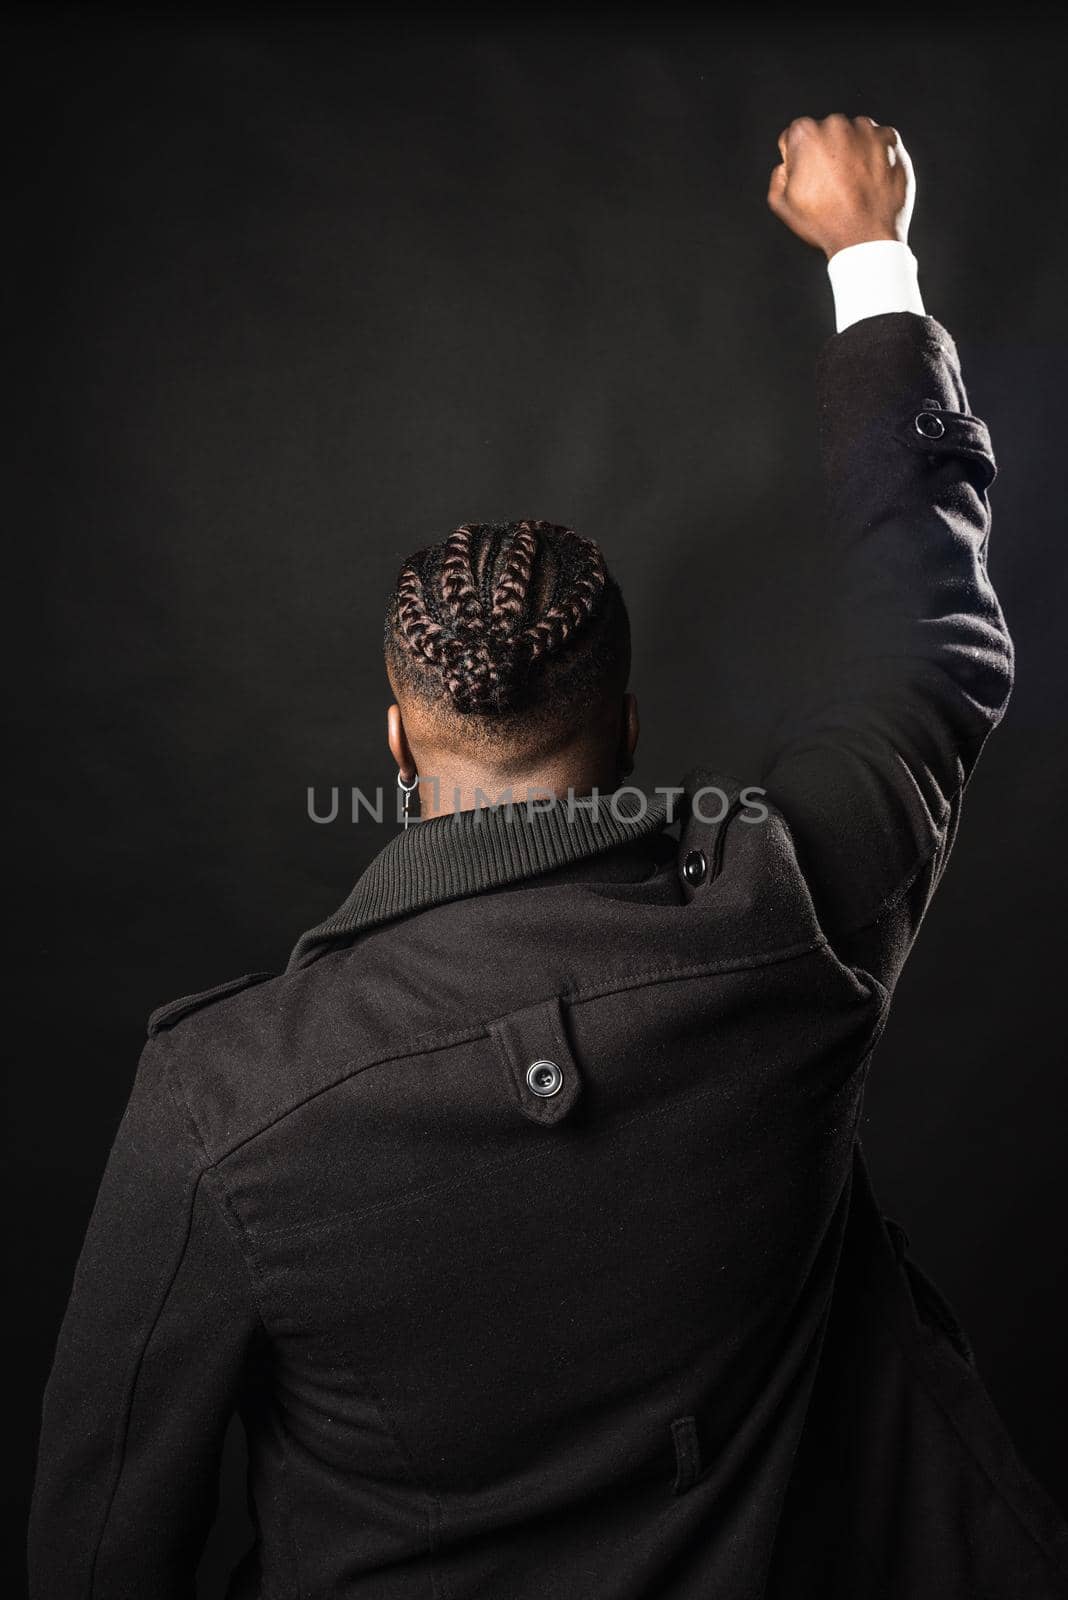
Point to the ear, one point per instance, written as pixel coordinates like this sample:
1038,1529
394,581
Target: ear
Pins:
628,733
398,744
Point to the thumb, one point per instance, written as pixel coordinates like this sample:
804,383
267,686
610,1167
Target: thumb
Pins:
777,190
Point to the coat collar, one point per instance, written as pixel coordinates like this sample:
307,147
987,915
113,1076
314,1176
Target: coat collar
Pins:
466,852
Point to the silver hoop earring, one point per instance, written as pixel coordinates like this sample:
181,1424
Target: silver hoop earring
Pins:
407,790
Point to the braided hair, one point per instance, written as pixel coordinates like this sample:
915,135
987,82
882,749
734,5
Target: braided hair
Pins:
507,619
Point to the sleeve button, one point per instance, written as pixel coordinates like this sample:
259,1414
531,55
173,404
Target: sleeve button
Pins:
694,868
929,425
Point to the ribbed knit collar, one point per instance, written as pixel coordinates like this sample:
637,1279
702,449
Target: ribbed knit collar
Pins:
465,852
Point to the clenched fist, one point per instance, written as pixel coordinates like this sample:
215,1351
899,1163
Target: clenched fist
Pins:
842,181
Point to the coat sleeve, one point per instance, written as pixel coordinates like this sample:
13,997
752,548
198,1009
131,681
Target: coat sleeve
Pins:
868,768
147,1369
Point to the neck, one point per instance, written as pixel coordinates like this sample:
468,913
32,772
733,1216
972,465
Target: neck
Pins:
459,786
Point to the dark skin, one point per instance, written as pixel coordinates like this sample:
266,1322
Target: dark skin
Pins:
841,181
597,754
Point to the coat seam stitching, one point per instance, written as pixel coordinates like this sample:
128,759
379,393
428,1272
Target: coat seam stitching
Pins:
234,1226
120,1444
433,1515
336,1218
429,1043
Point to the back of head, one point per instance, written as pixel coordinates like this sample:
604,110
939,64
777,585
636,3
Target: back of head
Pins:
511,636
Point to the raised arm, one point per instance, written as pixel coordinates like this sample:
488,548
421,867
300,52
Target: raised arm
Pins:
869,767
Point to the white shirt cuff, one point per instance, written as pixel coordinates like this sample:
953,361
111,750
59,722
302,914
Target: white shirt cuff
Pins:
873,278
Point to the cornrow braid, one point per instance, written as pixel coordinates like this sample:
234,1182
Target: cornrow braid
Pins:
574,607
511,593
493,605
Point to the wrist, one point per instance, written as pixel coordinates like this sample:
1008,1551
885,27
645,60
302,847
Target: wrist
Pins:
864,235
872,277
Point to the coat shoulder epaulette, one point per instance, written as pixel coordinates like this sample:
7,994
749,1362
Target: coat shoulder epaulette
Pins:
166,1016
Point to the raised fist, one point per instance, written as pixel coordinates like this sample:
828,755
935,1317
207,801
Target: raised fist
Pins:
842,181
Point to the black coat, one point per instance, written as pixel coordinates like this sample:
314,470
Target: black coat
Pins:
646,1335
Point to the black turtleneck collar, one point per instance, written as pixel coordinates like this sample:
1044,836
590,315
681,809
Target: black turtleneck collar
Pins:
466,852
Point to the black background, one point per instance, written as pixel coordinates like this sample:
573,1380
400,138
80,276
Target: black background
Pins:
296,293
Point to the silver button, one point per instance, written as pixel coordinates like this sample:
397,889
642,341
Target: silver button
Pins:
930,425
544,1078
